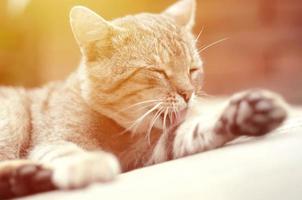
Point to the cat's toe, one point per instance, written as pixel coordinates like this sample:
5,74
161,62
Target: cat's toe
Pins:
81,170
30,179
5,188
27,179
254,113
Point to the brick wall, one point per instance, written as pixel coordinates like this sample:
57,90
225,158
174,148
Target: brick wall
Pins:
264,48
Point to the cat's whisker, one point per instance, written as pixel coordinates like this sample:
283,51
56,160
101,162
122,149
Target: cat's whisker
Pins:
140,103
152,108
146,114
170,117
138,108
176,113
164,121
212,44
173,113
138,121
155,118
199,34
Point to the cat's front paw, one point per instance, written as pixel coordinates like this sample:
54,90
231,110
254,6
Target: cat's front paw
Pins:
252,113
81,170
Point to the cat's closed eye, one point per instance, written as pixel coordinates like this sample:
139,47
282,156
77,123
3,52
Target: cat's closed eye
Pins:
196,72
193,70
160,72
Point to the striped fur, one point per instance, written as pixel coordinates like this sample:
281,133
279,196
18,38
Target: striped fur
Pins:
131,103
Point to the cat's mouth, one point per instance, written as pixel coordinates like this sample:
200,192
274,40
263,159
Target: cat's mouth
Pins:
172,120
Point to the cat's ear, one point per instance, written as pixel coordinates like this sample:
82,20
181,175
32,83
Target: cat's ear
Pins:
183,13
87,26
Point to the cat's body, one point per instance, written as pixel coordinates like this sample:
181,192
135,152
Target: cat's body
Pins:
134,101
53,113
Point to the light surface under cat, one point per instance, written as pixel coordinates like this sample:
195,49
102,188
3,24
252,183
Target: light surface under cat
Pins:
135,100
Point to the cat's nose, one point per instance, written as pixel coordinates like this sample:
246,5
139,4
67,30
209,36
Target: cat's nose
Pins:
186,94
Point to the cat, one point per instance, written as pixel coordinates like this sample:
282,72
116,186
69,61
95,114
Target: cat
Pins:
135,100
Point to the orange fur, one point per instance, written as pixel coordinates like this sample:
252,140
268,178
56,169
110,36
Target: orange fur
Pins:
133,78
131,103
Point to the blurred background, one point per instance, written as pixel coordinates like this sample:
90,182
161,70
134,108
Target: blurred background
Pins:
264,46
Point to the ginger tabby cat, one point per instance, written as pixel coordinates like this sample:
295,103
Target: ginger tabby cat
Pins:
135,100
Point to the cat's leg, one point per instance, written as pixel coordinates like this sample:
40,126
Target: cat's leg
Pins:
18,177
74,167
251,113
55,166
62,165
15,123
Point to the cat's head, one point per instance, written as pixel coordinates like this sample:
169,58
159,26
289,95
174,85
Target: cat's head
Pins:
142,69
